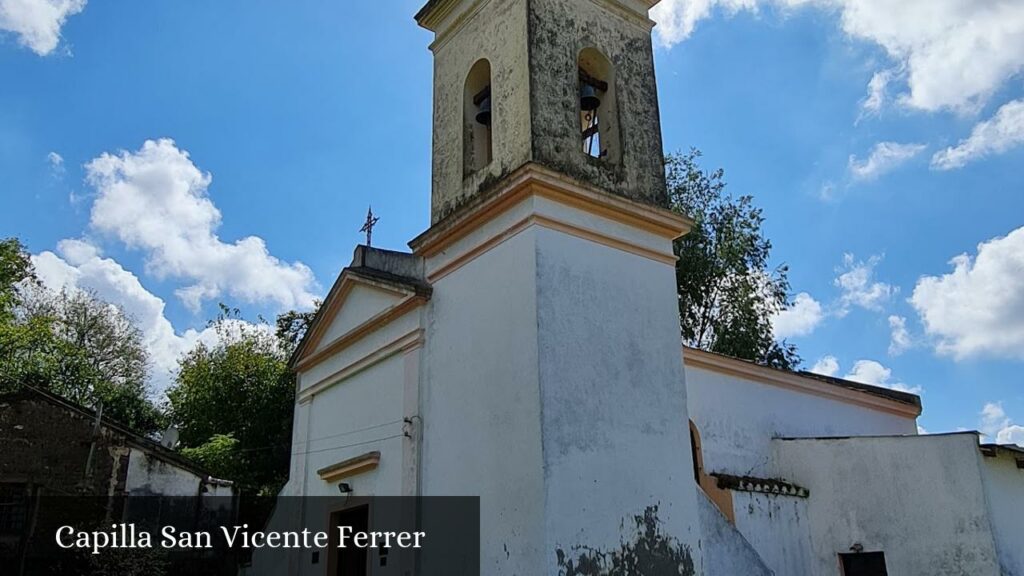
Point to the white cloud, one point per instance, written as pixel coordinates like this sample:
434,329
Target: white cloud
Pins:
999,427
155,200
80,265
875,374
865,372
1002,132
800,319
1012,434
884,157
978,308
878,88
827,366
677,18
993,417
955,53
37,23
900,340
56,161
858,286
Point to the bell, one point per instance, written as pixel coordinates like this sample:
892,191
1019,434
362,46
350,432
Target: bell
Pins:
483,115
589,100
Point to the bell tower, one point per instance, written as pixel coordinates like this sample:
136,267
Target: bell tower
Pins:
565,84
552,381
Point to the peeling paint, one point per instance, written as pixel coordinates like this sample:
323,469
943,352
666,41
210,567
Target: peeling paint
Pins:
649,553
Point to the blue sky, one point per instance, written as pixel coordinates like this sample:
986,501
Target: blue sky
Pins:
173,155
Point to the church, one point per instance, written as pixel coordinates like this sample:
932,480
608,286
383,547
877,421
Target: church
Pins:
527,351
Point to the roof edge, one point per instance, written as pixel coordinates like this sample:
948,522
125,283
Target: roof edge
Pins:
132,436
909,404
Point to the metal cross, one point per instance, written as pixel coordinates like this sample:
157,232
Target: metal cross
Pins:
371,221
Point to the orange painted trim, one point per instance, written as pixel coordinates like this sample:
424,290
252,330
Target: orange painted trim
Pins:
792,381
722,499
350,467
551,224
361,331
401,345
335,298
481,249
532,180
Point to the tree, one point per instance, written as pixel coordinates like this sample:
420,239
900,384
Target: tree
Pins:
293,325
233,403
15,268
728,293
71,343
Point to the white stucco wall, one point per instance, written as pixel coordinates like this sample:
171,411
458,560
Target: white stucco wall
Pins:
778,527
917,499
149,475
1004,490
359,415
614,413
363,302
480,403
727,552
737,419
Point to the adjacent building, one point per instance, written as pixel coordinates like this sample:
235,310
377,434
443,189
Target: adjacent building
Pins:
59,459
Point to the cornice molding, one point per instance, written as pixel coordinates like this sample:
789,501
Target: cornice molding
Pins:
532,179
797,382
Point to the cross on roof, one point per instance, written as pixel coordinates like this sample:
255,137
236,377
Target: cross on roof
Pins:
371,221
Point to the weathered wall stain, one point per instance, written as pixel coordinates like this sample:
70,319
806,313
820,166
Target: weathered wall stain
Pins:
650,553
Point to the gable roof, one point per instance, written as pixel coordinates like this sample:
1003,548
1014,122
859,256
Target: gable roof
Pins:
396,272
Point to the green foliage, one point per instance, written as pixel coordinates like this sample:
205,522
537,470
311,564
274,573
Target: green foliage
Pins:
728,293
129,562
15,268
293,325
220,455
239,389
71,343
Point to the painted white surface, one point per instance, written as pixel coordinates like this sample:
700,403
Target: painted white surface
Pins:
778,527
150,475
726,551
613,396
737,419
328,370
918,499
359,415
1004,489
362,303
480,402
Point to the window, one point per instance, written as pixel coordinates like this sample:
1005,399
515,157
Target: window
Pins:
599,123
477,115
863,564
13,508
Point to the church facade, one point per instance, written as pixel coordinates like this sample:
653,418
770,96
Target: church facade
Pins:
527,351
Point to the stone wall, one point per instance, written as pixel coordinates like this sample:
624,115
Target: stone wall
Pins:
47,446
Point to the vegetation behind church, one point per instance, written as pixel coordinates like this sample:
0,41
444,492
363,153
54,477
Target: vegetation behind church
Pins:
728,293
233,400
71,343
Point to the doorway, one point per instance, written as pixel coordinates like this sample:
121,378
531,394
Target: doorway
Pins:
350,561
864,564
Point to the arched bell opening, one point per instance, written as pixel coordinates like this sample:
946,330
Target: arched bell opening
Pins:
477,119
598,106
